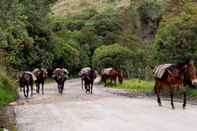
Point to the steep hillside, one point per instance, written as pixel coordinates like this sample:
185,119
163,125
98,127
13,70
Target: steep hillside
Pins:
74,7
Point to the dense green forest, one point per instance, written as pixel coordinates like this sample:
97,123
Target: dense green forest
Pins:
134,36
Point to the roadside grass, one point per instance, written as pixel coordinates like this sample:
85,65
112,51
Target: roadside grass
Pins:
8,91
136,85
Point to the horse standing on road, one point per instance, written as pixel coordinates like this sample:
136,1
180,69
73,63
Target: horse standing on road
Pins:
26,79
89,78
112,74
171,77
60,75
84,71
41,75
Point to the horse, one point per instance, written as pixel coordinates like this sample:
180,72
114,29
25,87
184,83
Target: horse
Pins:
41,75
172,78
88,79
112,74
26,79
82,72
60,75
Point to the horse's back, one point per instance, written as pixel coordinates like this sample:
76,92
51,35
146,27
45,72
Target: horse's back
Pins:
159,70
84,71
106,71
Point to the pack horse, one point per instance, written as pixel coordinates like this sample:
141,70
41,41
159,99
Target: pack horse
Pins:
171,77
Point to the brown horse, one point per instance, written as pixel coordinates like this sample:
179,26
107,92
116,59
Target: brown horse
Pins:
172,79
26,81
112,74
41,75
60,75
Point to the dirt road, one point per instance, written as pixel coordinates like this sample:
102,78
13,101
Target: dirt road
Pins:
102,111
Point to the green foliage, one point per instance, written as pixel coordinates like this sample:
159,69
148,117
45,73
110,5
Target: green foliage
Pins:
88,31
136,85
7,89
107,25
150,13
176,39
112,56
68,57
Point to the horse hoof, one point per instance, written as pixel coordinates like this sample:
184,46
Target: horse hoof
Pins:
184,107
173,107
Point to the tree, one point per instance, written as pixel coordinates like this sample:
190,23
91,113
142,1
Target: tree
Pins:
176,39
112,56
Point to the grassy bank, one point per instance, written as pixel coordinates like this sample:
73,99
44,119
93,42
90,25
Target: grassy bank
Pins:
8,91
136,85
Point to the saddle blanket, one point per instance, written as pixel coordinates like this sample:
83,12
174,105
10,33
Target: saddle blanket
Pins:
84,71
160,70
34,77
107,70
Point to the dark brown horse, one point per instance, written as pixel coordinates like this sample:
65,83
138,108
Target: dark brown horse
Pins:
26,81
112,75
84,71
89,78
172,79
41,75
60,75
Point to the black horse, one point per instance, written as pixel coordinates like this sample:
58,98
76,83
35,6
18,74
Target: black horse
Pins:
89,78
82,73
41,75
60,75
26,81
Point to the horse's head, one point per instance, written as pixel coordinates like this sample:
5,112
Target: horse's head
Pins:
44,73
60,75
191,72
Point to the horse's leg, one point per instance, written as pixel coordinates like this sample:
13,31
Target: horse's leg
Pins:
82,83
43,88
171,97
61,88
115,81
184,99
24,91
27,90
157,92
58,86
86,88
91,86
38,87
105,81
32,89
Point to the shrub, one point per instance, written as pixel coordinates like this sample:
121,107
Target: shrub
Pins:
112,56
8,90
